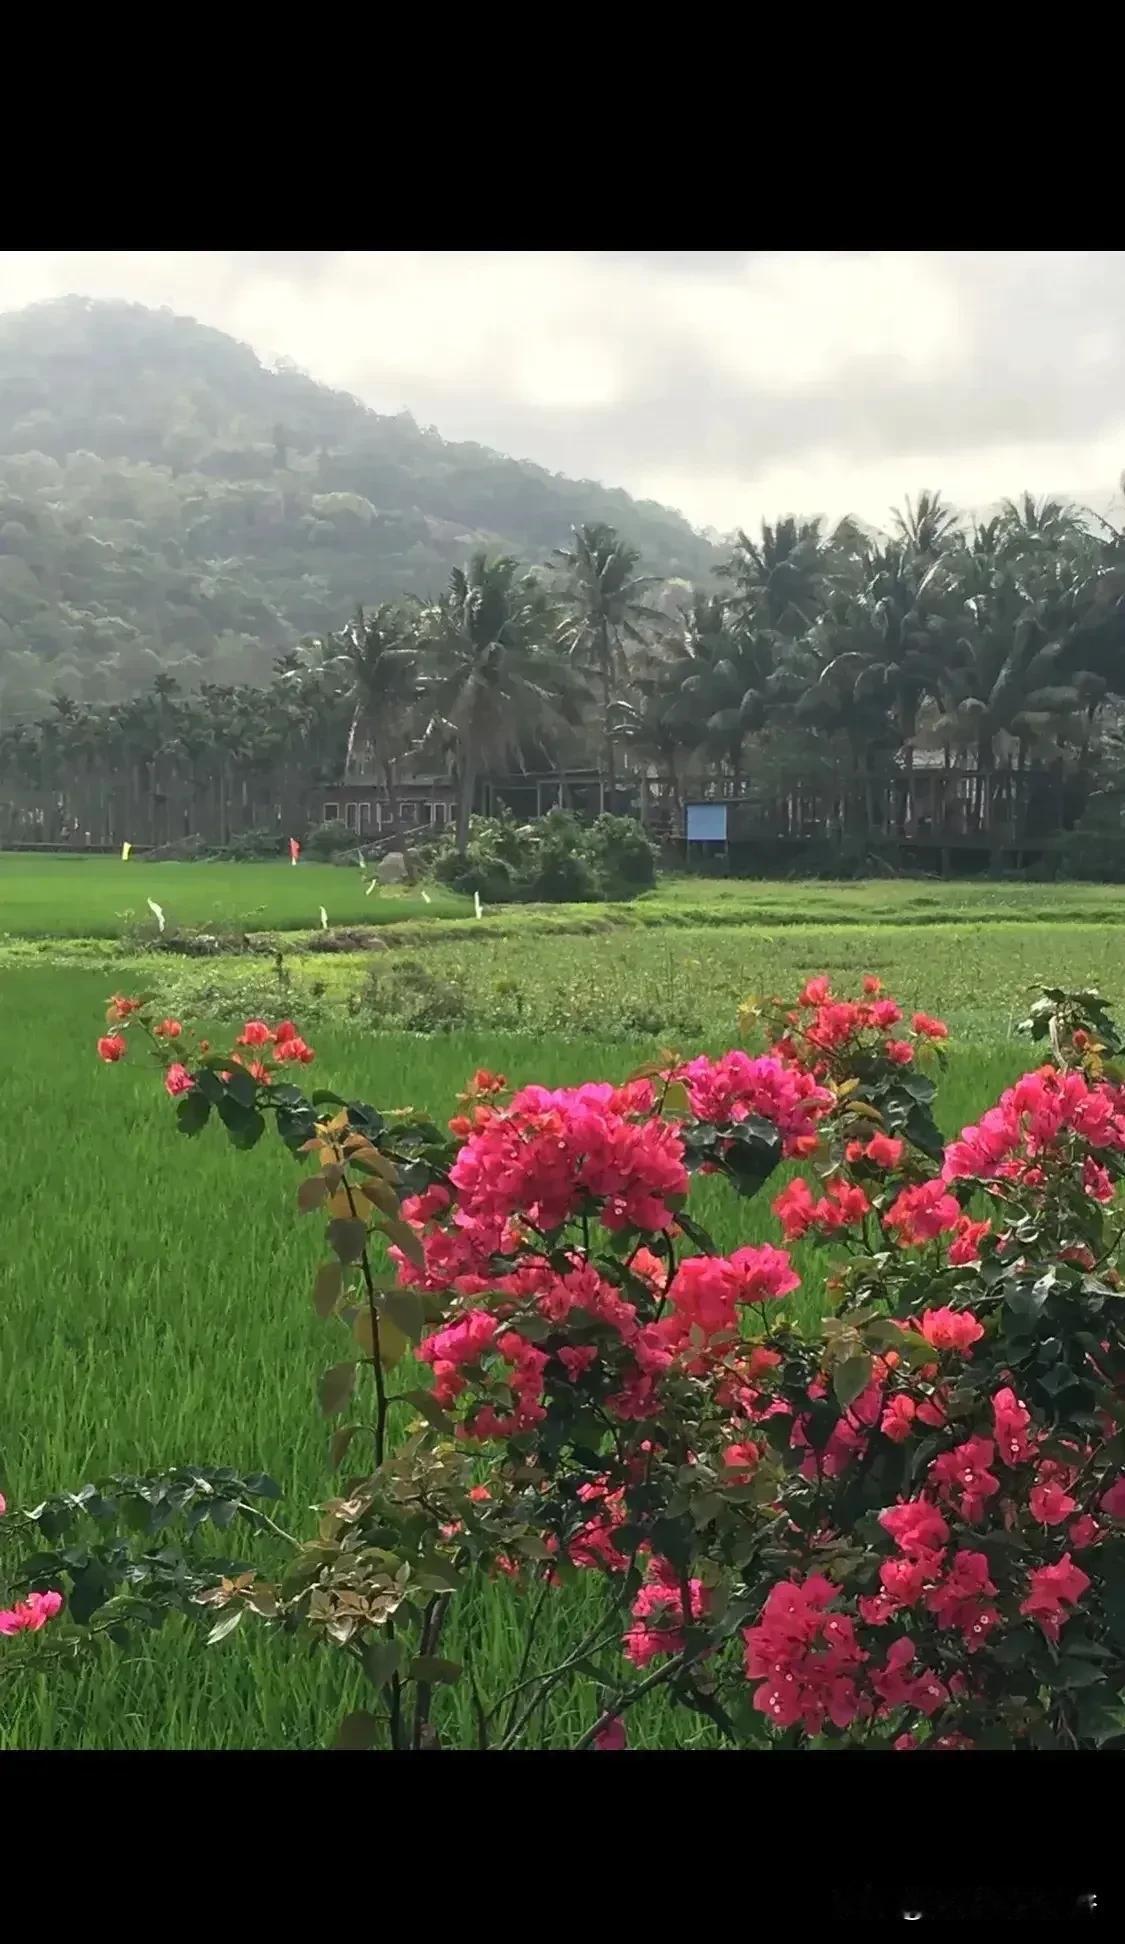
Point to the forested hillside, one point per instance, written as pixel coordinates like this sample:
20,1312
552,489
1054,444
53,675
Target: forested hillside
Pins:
169,504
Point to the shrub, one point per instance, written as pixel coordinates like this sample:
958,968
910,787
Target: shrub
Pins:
491,877
554,860
622,856
406,993
1094,851
327,841
252,845
901,1526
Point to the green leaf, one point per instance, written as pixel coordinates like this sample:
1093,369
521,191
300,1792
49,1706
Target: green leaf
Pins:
1111,1571
357,1730
850,1378
347,1237
193,1111
696,1233
242,1087
336,1387
431,1669
245,1125
225,1626
208,1085
380,1659
1100,1716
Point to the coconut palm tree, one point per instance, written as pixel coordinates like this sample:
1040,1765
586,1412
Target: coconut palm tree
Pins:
723,667
490,679
604,609
780,579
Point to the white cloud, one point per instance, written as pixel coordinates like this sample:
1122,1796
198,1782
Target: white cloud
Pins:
732,385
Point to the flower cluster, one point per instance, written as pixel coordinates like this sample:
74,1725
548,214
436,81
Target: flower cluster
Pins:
729,1090
259,1049
551,1154
30,1615
900,1520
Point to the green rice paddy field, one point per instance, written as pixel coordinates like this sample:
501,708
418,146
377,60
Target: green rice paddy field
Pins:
153,1294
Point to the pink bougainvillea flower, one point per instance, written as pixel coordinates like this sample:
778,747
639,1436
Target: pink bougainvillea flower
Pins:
1050,1590
963,1478
1050,1504
928,1027
1096,1180
612,1735
949,1329
111,1047
254,1033
899,1052
884,1150
967,1238
178,1080
897,1420
919,1214
168,1029
28,1616
730,1089
1010,1420
293,1047
658,1614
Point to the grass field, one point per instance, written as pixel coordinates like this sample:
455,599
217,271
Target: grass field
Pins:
100,897
153,1296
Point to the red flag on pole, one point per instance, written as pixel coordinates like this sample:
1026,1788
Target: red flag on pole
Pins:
294,850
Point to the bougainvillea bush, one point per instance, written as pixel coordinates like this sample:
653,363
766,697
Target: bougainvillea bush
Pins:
900,1527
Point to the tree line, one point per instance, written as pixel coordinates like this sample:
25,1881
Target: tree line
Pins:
996,641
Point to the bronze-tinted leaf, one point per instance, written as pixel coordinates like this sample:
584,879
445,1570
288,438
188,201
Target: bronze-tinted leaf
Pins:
327,1288
392,1343
357,1730
311,1193
404,1308
428,1407
381,1194
410,1243
336,1387
347,1238
431,1669
338,1444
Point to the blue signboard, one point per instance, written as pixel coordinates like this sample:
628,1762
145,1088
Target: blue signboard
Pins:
707,823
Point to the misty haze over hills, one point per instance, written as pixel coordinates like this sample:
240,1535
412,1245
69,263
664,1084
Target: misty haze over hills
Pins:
169,503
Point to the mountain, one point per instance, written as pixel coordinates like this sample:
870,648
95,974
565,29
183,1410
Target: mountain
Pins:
168,502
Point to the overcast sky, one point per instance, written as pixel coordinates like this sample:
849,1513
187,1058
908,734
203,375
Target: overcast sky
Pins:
731,384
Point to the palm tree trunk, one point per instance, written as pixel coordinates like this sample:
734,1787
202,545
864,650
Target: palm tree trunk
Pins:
607,686
469,766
